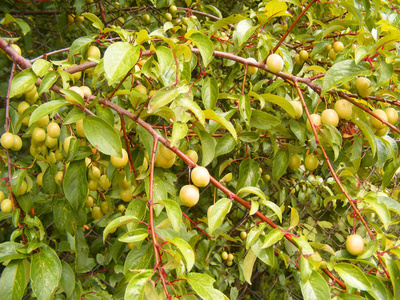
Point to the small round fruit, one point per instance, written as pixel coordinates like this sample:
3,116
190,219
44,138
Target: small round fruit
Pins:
24,187
89,201
38,135
94,172
16,49
382,132
79,128
146,19
105,207
172,9
330,116
93,184
6,206
77,90
338,46
294,161
126,195
251,70
189,195
22,107
43,121
131,245
97,213
7,140
344,109
200,176
2,196
311,162
392,115
303,55
39,179
50,142
141,89
374,122
166,153
104,182
120,162
17,143
224,255
229,263
59,177
316,119
362,86
332,54
125,184
230,257
53,130
161,162
86,90
297,59
193,155
355,244
121,208
275,63
94,52
298,108
168,17
243,235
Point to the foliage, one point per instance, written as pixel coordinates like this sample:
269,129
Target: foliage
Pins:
90,220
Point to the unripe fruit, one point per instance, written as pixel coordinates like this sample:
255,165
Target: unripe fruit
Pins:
294,161
311,162
298,108
79,128
17,143
344,109
22,190
146,19
229,263
89,201
131,245
382,132
38,135
230,257
53,130
374,122
77,75
7,140
392,115
50,142
355,244
77,90
104,182
189,195
303,55
59,176
43,121
251,70
67,142
97,213
120,162
16,48
316,119
94,172
362,86
297,59
224,255
39,179
126,195
86,90
6,206
22,107
92,184
275,63
105,207
193,155
338,46
125,184
141,89
200,176
161,162
243,235
94,52
330,116
332,54
166,153
2,196
168,17
172,9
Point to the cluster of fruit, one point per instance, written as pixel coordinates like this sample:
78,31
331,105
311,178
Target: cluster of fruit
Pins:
189,194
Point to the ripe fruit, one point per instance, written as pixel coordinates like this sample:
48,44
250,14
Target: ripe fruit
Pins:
332,54
166,153
67,142
362,86
16,48
297,59
97,213
161,162
17,143
294,161
94,52
355,244
22,190
53,130
251,70
86,90
43,121
275,63
338,46
374,122
344,109
230,257
303,55
22,107
39,179
243,235
7,140
172,9
120,162
189,195
316,119
330,116
38,135
298,108
200,176
146,19
224,255
168,17
79,128
6,206
392,115
77,90
311,162
193,155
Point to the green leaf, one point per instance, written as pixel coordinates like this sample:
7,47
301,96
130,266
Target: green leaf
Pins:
165,58
294,218
209,92
280,164
139,258
248,265
203,286
255,205
381,210
378,291
244,108
280,101
211,115
274,236
194,107
75,184
185,249
394,273
67,278
22,82
102,136
163,97
305,269
233,19
342,72
13,280
78,44
204,44
263,120
135,235
253,190
119,59
390,170
45,272
244,30
368,134
174,213
315,288
136,285
45,109
179,131
9,251
74,97
225,145
117,222
254,234
40,67
352,276
275,208
96,21
208,148
217,213
47,82
249,173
